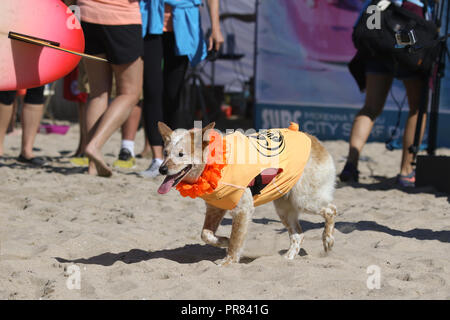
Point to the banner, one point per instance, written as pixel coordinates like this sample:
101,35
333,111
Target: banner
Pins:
303,49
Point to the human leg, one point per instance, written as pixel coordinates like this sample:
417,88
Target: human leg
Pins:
129,84
32,112
6,109
126,158
414,91
153,100
377,88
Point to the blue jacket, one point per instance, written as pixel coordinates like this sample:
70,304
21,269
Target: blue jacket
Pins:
189,40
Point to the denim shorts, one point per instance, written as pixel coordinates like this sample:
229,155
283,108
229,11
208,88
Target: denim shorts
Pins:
374,66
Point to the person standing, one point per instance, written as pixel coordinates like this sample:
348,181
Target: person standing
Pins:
379,76
113,30
173,37
32,112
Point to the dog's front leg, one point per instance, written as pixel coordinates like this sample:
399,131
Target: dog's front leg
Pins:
242,214
213,217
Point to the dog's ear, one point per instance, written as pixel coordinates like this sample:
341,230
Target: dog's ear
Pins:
165,131
205,142
208,127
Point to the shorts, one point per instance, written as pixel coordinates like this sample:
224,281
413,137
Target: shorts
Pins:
33,96
121,44
374,66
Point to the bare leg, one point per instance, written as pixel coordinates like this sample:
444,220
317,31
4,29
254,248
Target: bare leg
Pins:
100,81
12,123
241,218
414,88
5,116
213,218
377,88
82,108
147,151
130,127
129,79
289,217
157,152
31,120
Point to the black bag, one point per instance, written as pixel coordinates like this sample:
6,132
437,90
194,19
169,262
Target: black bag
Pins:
398,25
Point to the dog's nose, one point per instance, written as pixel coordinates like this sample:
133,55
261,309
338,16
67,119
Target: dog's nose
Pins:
163,170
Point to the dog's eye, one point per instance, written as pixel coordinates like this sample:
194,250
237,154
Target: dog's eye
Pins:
166,154
181,154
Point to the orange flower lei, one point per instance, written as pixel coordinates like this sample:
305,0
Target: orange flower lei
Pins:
210,177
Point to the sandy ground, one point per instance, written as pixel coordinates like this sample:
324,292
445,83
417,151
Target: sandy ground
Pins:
128,242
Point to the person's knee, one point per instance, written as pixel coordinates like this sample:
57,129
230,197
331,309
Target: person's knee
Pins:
99,94
133,93
371,111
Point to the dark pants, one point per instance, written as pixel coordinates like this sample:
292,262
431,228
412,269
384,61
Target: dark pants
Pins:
164,74
33,96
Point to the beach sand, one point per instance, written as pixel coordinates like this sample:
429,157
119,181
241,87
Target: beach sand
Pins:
127,242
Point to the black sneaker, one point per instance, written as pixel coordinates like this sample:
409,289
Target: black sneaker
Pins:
349,173
36,161
126,160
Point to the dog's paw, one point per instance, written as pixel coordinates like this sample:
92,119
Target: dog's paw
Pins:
227,261
290,255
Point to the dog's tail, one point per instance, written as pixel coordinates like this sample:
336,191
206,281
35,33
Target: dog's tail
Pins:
293,126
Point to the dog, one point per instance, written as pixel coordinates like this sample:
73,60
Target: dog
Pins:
312,192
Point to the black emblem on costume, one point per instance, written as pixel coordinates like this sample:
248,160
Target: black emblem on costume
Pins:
269,143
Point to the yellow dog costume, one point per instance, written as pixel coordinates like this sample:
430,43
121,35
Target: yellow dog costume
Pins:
282,153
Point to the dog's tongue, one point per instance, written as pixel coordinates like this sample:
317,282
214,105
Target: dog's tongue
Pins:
167,184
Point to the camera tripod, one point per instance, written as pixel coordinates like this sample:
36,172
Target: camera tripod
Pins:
194,96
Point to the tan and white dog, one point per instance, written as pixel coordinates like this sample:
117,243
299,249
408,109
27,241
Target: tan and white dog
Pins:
312,194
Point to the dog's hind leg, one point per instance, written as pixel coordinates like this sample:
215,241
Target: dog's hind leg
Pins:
289,217
242,215
213,217
329,214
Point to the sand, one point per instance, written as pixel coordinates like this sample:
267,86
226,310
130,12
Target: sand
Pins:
127,242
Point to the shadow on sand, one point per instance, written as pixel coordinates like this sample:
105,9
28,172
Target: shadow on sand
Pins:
190,253
385,183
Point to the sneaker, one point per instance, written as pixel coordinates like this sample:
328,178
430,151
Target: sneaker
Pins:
153,170
408,181
349,173
126,159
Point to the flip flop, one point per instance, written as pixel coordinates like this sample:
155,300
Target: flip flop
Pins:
80,161
36,161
